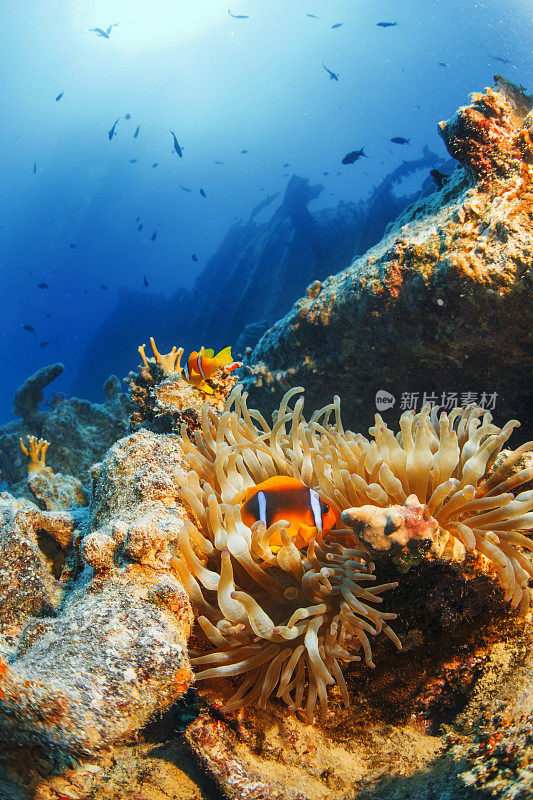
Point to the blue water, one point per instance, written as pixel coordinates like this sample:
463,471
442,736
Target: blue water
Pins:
71,196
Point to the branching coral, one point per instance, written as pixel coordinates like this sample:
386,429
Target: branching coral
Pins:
447,461
289,621
36,453
171,362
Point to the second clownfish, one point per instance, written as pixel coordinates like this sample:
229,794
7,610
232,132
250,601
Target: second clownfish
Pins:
282,497
203,365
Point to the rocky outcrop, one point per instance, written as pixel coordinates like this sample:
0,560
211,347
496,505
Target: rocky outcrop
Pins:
439,309
79,432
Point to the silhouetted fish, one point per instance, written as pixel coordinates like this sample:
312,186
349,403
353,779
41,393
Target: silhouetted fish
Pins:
72,245
243,152
202,193
103,286
105,34
35,168
194,257
133,160
502,60
29,328
185,188
386,24
442,64
42,285
400,140
286,164
238,16
44,344
333,76
325,173
350,158
177,148
145,280
140,227
154,164
59,96
313,16
127,116
337,25
112,132
137,129
153,237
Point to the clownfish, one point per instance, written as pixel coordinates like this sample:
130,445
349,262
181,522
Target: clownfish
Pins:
282,497
203,365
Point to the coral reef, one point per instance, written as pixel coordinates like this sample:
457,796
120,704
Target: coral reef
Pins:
427,313
165,400
115,652
80,431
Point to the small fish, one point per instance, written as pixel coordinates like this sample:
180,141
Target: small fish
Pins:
442,64
243,152
153,237
177,148
103,286
137,219
29,328
140,227
502,60
59,96
203,193
325,173
137,129
194,257
400,140
286,164
112,132
155,164
350,158
72,245
203,365
127,116
145,280
133,160
238,16
44,344
439,177
386,24
333,76
185,188
337,25
42,285
313,16
35,168
105,34
286,498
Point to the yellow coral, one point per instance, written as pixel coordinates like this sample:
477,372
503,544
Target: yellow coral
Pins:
36,453
171,362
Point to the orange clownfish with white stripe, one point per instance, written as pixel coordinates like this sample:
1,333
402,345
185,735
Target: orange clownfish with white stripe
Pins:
203,365
286,498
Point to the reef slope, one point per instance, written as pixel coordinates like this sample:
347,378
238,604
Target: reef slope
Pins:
442,303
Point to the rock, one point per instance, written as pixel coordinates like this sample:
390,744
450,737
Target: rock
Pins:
79,432
439,308
115,652
30,395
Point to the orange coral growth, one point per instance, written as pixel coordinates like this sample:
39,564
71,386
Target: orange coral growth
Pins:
36,453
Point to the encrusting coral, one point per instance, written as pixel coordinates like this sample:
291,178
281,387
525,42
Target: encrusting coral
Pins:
289,620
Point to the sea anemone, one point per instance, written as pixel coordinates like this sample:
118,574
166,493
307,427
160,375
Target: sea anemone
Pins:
454,467
289,621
